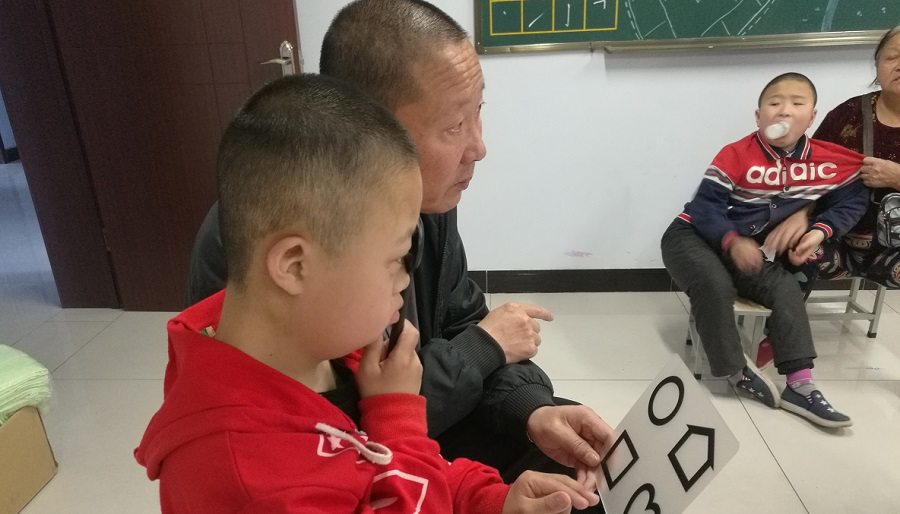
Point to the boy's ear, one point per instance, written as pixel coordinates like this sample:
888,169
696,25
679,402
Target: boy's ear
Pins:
813,119
757,119
286,263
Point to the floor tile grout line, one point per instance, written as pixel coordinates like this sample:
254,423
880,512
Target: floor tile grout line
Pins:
19,340
80,349
119,315
769,448
79,321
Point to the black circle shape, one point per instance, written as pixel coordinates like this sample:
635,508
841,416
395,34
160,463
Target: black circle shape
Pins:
662,421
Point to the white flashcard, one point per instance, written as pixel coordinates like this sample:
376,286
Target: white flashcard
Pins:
667,449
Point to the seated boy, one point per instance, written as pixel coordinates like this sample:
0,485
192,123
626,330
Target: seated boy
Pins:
320,192
712,249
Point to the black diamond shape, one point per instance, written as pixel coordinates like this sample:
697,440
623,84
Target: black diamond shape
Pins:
634,458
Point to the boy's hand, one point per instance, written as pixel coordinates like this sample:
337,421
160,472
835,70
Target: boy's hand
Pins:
786,234
534,493
746,255
397,372
806,248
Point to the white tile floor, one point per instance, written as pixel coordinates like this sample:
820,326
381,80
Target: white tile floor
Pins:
602,349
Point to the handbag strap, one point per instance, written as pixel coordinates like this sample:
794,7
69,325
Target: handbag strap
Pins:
868,136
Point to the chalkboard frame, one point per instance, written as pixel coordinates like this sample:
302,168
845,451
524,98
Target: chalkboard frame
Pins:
804,39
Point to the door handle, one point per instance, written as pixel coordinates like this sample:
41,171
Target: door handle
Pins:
277,60
285,59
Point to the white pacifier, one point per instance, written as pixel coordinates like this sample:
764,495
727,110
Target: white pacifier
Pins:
777,130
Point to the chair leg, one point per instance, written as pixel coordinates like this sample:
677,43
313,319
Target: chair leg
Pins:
759,325
855,285
698,348
876,312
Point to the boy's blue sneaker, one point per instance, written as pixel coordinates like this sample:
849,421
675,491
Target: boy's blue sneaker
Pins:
755,384
813,407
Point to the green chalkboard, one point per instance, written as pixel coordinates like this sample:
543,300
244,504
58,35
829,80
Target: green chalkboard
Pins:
537,25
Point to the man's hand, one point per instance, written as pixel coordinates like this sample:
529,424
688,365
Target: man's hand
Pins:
544,493
807,247
572,435
877,172
746,255
514,328
786,234
398,372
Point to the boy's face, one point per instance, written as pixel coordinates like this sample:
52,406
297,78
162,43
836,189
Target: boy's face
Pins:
357,295
790,101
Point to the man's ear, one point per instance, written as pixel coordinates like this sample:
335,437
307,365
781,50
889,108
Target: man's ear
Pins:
286,263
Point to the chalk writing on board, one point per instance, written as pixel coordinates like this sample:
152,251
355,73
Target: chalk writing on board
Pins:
661,19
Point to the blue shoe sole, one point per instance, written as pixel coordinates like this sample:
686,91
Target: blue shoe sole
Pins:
811,416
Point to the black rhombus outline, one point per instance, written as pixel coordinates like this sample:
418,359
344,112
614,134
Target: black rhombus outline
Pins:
609,480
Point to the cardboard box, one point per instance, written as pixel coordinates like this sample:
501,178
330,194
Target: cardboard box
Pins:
26,460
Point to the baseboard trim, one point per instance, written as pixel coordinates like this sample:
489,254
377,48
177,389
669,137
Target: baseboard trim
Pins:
596,281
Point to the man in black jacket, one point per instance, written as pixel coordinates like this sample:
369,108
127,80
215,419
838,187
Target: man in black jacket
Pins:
486,400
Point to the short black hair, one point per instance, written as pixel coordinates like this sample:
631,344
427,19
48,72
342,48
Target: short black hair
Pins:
799,77
381,45
304,149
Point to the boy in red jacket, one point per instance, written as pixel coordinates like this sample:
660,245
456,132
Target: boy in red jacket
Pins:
713,249
319,192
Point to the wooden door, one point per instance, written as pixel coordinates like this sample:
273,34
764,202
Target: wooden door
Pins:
49,145
152,84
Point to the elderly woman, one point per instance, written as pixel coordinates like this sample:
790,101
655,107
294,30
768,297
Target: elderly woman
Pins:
858,253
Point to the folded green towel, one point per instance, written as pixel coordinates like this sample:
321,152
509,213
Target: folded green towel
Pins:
23,382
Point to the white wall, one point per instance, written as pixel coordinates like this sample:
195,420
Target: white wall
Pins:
595,154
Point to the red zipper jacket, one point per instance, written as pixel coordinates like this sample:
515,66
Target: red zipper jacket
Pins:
235,435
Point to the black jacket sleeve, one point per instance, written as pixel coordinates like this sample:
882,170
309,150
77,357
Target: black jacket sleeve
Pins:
464,369
208,270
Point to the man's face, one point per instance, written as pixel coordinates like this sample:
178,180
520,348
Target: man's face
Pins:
790,101
445,124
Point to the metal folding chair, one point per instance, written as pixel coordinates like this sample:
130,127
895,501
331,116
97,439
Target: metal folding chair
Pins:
744,310
854,309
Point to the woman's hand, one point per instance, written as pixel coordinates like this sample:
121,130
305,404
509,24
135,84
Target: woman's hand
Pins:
877,172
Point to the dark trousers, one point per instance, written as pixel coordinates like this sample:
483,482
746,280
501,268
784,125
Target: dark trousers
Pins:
857,254
712,283
469,439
